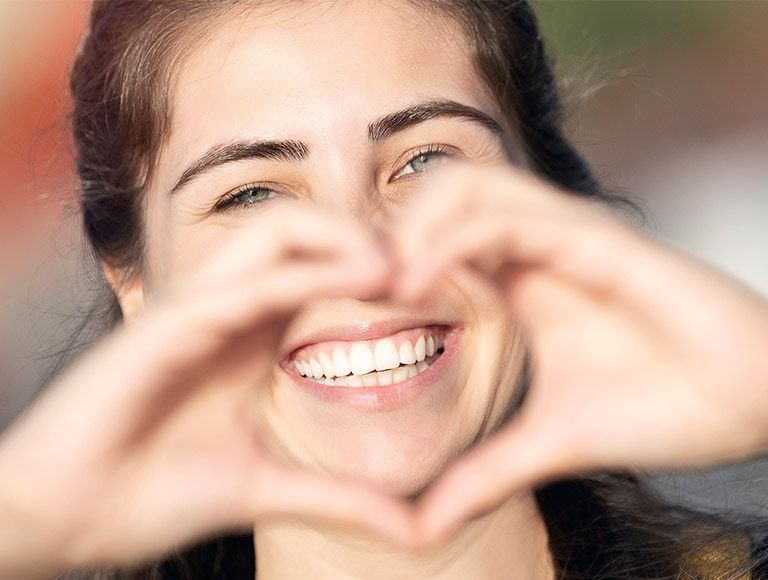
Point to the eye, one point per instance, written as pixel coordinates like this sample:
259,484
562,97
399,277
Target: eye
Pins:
422,159
244,197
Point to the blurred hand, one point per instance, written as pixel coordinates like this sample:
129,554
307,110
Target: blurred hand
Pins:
642,357
144,445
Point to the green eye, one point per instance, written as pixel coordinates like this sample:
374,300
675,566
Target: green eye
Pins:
431,155
245,196
252,194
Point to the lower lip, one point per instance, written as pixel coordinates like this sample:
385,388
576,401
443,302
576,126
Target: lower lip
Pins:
389,397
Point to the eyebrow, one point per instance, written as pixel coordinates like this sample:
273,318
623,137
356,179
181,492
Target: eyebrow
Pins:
295,151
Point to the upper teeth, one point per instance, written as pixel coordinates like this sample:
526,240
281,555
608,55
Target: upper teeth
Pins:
362,358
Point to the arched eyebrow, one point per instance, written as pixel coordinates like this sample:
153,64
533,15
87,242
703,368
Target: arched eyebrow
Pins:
296,151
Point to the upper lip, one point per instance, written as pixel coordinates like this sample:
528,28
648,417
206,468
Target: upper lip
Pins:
360,330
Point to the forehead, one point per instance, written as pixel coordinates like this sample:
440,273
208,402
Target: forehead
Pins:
317,71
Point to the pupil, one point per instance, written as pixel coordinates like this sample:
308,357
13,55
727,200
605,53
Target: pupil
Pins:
251,196
422,159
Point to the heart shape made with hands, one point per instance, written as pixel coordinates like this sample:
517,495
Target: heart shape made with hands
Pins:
619,332
616,365
525,238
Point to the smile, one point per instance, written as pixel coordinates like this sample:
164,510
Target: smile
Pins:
371,363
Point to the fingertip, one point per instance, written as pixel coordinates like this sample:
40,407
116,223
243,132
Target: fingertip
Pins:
433,528
412,286
406,291
372,281
400,532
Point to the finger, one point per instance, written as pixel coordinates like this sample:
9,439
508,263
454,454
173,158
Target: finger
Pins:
286,492
591,252
442,197
576,235
211,324
165,356
486,242
282,291
518,458
293,230
455,191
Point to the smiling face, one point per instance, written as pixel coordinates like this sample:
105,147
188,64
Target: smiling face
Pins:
349,105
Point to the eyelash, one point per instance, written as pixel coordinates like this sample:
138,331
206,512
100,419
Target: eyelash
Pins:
230,201
433,148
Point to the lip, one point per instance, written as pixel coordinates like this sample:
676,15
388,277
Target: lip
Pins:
361,330
389,397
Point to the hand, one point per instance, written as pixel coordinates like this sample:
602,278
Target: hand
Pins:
143,445
642,357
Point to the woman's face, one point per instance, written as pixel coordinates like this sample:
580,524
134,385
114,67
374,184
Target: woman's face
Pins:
331,75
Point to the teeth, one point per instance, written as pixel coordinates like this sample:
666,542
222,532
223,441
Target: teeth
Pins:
315,368
361,359
407,354
326,364
377,379
400,374
384,378
421,349
385,355
340,363
354,381
385,364
370,380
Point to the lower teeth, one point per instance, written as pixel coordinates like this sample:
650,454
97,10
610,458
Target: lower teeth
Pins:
381,378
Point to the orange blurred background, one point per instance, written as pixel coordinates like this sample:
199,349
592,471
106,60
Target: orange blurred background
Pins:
37,41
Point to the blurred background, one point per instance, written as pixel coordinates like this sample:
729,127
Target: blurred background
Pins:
667,100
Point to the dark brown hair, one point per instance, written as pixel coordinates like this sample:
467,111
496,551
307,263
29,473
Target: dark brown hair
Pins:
607,526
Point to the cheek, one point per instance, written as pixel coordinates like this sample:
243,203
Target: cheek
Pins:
496,366
494,354
177,246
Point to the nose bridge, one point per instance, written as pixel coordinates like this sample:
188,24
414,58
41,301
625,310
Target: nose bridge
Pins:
350,188
360,200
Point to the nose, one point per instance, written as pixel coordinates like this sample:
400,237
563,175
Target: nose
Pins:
353,191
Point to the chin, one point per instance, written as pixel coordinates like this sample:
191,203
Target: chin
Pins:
387,409
403,464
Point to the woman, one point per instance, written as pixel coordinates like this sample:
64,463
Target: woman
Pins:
349,363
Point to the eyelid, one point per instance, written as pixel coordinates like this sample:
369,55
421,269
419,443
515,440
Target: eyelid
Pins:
227,200
437,148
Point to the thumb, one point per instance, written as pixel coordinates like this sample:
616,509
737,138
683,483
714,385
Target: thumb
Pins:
294,493
521,456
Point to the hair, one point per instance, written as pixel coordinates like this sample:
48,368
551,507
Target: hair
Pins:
601,526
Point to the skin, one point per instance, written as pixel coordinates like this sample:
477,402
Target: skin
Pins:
516,262
624,329
320,50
